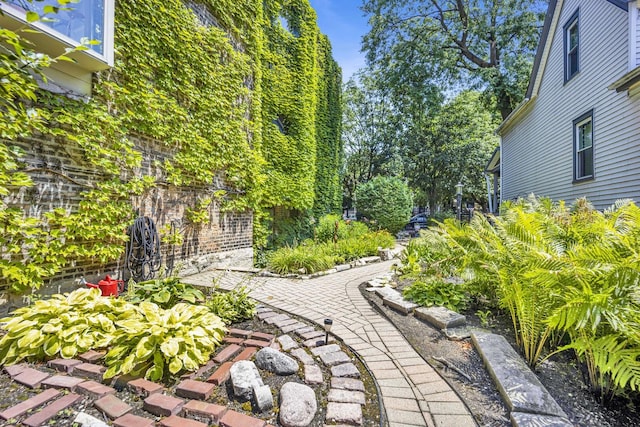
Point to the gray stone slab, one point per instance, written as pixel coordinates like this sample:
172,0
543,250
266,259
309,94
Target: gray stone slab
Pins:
387,292
400,305
277,318
335,358
287,342
311,334
324,349
440,317
302,356
342,267
347,384
345,370
266,314
315,342
520,388
347,413
293,327
284,322
304,330
346,396
313,374
370,259
521,419
457,334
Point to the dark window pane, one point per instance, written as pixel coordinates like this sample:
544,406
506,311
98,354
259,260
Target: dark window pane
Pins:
573,63
585,163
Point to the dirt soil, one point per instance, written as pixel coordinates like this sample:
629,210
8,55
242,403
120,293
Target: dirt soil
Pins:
461,366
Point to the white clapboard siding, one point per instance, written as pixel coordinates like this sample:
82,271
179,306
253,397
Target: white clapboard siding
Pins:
537,150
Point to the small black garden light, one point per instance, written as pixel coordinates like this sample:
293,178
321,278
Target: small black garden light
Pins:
327,327
459,200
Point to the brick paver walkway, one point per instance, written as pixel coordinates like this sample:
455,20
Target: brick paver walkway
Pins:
413,394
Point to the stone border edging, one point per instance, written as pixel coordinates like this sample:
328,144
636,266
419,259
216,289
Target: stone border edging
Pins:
528,400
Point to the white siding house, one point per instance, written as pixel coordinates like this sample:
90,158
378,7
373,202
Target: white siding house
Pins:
577,133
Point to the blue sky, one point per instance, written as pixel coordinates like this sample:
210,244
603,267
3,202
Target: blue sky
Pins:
342,21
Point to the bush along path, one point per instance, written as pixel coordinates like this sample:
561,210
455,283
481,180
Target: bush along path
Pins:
412,392
289,377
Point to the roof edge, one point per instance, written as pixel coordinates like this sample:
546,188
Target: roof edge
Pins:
546,27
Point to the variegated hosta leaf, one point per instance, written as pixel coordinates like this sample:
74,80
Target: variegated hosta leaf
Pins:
31,336
113,370
68,351
18,326
151,311
145,348
131,326
52,346
176,365
49,328
189,361
170,347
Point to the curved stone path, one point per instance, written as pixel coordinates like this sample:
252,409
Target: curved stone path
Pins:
413,394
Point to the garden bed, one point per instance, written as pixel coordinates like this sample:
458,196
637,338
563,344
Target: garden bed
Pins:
15,393
560,374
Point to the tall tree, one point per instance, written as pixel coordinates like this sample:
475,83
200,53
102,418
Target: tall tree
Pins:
486,44
452,145
368,134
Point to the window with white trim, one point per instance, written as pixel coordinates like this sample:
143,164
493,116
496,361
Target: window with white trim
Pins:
54,29
583,147
79,21
571,47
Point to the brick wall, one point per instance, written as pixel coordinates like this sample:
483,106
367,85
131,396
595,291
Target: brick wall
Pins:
225,240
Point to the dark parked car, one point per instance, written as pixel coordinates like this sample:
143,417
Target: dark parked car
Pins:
417,223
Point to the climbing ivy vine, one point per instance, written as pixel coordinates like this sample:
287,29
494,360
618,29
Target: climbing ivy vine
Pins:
248,98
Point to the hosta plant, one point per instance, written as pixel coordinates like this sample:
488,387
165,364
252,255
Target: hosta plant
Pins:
430,292
164,292
232,306
142,339
157,342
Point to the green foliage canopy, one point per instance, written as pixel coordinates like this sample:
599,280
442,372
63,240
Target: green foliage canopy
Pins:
452,145
486,43
385,200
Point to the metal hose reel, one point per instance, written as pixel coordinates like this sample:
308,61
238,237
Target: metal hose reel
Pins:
142,254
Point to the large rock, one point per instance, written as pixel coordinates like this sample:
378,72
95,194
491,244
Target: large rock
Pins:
244,377
298,405
274,361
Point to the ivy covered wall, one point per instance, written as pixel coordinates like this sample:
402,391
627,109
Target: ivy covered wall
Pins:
239,98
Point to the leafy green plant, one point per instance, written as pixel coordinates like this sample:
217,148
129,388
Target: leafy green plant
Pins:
333,227
233,306
559,271
430,254
385,200
143,339
434,292
306,258
486,317
164,292
310,257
